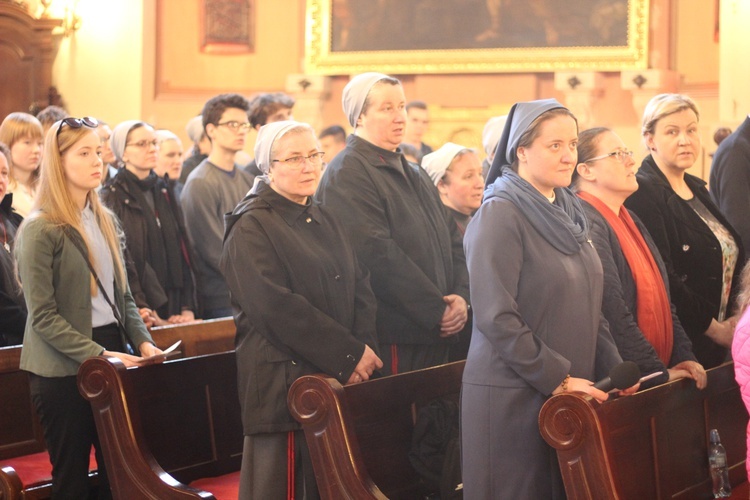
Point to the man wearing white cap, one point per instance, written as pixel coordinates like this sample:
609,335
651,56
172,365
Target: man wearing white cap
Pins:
400,229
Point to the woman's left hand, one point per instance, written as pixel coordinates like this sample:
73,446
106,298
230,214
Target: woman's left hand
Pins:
696,372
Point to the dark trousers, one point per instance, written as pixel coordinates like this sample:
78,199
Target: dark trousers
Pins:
265,468
69,432
69,428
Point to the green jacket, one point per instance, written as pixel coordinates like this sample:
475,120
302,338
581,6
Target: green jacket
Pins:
56,284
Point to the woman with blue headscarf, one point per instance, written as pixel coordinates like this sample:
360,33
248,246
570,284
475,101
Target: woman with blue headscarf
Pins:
536,288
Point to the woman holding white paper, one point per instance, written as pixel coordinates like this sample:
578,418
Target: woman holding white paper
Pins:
79,302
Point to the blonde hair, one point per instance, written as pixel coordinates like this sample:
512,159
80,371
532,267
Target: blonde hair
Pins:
15,127
55,204
664,105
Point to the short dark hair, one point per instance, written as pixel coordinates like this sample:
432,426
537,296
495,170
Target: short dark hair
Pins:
215,107
264,105
335,131
416,105
51,114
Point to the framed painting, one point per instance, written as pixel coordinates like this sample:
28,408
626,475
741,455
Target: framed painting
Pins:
226,26
475,36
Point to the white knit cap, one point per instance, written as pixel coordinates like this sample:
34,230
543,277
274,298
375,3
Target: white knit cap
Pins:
437,162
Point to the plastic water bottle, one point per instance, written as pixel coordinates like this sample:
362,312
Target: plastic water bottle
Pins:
717,461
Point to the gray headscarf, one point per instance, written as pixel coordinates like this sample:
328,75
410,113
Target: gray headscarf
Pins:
120,135
521,115
355,93
267,136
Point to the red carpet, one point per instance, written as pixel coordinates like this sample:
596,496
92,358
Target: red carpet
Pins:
224,487
36,468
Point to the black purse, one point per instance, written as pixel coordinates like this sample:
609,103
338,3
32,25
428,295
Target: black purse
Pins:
127,345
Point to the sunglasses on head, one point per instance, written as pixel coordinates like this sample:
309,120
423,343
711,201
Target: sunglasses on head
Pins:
86,121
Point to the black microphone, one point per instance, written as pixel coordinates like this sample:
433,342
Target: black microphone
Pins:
621,376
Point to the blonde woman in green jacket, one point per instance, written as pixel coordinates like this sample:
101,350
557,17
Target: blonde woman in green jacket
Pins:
74,313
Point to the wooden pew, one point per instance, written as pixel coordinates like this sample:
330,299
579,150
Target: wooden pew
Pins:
359,435
651,445
164,426
23,455
24,463
199,338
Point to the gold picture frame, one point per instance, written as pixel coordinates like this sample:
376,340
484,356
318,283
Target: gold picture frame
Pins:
352,36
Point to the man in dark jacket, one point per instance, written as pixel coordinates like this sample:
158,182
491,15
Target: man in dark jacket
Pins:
730,181
399,228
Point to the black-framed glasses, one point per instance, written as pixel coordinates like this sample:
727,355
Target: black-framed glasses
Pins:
619,154
298,162
235,126
86,121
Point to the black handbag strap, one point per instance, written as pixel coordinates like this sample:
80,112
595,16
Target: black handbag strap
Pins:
118,317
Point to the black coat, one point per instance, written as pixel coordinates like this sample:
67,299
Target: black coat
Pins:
619,302
402,233
730,180
12,305
302,303
690,251
145,286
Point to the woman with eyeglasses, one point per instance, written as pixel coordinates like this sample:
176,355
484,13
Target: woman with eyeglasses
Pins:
702,252
302,304
636,300
23,134
159,267
78,299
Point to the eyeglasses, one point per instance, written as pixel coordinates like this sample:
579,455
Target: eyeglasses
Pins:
86,121
619,154
235,126
297,162
144,144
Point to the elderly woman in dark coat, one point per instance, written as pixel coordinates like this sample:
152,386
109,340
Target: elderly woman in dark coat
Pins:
642,320
399,228
536,283
702,251
159,270
301,302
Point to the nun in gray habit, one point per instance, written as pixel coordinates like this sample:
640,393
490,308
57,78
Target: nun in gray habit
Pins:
536,288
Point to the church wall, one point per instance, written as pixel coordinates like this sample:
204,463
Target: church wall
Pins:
160,42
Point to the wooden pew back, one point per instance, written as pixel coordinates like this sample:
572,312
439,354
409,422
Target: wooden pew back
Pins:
182,417
20,431
203,337
650,445
360,435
